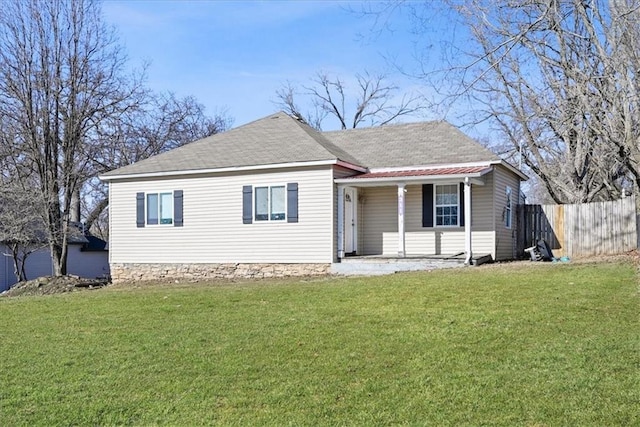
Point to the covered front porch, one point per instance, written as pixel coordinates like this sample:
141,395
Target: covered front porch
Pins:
406,220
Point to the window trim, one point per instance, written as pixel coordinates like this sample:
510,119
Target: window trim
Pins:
269,215
435,205
159,195
508,208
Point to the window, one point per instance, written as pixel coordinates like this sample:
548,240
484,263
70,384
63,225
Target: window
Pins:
446,205
152,208
277,203
159,208
507,209
270,203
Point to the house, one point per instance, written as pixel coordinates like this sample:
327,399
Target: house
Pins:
87,256
275,197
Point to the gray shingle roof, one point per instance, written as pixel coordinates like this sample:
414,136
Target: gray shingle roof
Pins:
411,144
279,138
275,139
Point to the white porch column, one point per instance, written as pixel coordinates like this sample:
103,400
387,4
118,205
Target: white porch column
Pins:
401,245
340,221
467,220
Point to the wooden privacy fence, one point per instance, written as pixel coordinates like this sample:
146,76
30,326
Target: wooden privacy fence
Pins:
580,229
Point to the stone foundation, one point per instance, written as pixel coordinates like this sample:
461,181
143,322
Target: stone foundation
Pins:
135,272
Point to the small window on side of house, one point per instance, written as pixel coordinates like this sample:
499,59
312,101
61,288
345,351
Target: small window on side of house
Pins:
508,208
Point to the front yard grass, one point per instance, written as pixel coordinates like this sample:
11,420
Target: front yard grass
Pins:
532,345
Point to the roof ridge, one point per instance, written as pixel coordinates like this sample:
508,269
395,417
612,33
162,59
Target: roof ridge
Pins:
390,125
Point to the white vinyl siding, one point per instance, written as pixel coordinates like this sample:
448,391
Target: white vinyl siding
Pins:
380,214
213,230
505,237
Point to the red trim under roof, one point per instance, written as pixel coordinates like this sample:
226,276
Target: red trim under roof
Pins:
423,172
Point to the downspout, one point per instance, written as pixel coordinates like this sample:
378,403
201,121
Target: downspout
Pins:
6,275
401,230
340,222
467,221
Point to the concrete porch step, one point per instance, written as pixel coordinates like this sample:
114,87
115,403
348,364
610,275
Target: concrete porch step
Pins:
379,265
372,268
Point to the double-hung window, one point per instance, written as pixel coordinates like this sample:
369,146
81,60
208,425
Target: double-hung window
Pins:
270,203
159,208
447,205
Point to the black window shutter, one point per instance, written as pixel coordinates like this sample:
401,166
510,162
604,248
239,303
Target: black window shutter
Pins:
247,201
427,205
292,202
140,209
461,213
178,216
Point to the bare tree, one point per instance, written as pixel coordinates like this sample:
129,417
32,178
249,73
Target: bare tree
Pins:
61,76
374,103
21,229
558,80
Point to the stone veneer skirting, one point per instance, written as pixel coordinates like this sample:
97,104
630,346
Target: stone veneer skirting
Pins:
134,272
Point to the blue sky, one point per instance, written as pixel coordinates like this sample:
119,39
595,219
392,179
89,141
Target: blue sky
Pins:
234,55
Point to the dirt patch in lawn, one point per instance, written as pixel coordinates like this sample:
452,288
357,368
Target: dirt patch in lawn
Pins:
54,285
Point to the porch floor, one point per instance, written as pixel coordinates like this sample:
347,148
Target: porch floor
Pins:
369,265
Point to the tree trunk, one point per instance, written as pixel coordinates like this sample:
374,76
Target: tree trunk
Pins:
74,214
58,259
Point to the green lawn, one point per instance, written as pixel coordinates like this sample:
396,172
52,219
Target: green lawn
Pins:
534,345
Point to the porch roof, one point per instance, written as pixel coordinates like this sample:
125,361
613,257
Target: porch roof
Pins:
417,174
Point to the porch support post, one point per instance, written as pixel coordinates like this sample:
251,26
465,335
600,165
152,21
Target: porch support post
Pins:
401,245
340,222
467,220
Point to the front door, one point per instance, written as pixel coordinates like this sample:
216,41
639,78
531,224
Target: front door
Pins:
350,220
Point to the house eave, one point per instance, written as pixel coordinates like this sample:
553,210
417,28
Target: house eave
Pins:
232,169
512,168
476,178
501,162
430,167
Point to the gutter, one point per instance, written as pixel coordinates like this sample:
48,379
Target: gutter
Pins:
107,177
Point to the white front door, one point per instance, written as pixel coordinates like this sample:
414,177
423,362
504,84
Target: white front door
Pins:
350,220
